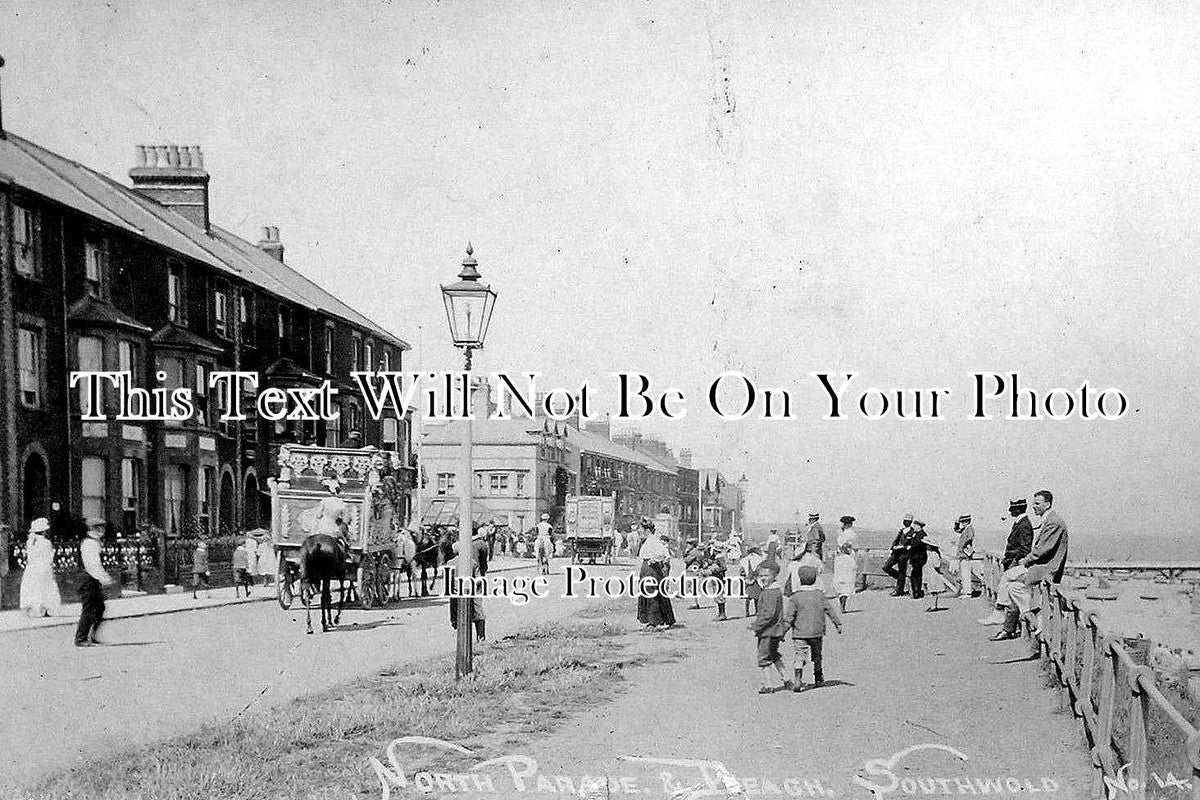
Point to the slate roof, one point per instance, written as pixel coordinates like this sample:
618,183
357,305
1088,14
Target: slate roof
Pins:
182,339
589,442
488,431
38,170
97,312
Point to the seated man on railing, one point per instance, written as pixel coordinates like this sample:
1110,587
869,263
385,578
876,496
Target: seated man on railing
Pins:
1020,540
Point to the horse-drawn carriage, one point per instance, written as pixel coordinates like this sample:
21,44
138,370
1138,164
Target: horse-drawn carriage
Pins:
591,528
354,492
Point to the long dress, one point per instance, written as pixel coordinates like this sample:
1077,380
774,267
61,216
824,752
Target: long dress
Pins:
845,565
39,589
655,566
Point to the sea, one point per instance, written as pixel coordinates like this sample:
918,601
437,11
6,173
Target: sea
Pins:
1144,548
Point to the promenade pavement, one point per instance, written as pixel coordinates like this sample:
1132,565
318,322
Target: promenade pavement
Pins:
976,714
137,604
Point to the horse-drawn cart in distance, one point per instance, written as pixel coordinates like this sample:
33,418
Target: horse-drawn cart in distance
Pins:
591,528
352,492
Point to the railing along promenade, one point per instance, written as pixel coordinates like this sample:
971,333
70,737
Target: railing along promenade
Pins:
1102,683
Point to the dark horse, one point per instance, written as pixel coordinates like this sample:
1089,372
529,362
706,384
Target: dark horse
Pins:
431,547
321,561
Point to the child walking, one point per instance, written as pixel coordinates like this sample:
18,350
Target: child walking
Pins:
769,628
806,617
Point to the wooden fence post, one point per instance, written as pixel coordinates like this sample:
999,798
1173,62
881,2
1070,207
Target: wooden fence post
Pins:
1139,719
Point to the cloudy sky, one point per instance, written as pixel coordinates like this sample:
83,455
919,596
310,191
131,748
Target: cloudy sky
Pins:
910,192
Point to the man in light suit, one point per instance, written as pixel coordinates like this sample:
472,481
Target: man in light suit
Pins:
1046,560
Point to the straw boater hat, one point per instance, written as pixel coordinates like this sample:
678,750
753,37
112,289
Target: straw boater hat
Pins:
1017,506
545,516
813,516
39,525
918,523
964,519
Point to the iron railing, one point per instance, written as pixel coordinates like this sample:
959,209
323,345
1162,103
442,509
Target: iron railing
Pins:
1103,684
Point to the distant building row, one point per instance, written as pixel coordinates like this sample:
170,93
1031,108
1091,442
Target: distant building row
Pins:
526,467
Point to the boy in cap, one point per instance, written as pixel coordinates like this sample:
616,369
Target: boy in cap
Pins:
806,617
91,613
769,627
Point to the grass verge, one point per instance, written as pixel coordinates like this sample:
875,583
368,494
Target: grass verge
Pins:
318,746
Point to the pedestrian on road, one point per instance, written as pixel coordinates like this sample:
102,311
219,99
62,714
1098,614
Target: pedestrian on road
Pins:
268,565
806,618
251,545
769,628
479,569
94,578
966,555
654,608
1020,540
748,567
241,570
845,563
918,554
544,544
39,589
816,534
772,552
200,574
897,564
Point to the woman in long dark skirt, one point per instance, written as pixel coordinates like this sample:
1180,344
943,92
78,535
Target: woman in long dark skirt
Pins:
654,612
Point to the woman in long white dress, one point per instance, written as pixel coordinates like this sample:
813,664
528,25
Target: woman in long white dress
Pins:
39,589
845,563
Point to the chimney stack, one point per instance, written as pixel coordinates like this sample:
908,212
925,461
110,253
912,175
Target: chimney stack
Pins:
685,458
175,177
270,244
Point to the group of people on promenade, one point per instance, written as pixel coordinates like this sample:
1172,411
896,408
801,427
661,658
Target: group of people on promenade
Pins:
910,553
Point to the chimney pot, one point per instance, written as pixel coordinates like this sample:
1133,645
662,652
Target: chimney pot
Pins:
174,176
270,243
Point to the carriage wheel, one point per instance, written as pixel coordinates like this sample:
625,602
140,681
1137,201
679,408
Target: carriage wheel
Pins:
283,585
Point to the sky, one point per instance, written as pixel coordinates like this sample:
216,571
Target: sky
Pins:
909,192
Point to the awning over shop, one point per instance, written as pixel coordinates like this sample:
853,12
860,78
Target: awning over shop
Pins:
444,511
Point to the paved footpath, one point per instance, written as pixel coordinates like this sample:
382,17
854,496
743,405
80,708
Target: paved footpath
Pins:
162,675
136,604
979,715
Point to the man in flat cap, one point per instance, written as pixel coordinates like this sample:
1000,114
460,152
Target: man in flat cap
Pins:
1020,540
91,592
897,564
965,553
815,533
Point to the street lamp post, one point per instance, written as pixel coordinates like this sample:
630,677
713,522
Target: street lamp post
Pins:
468,310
